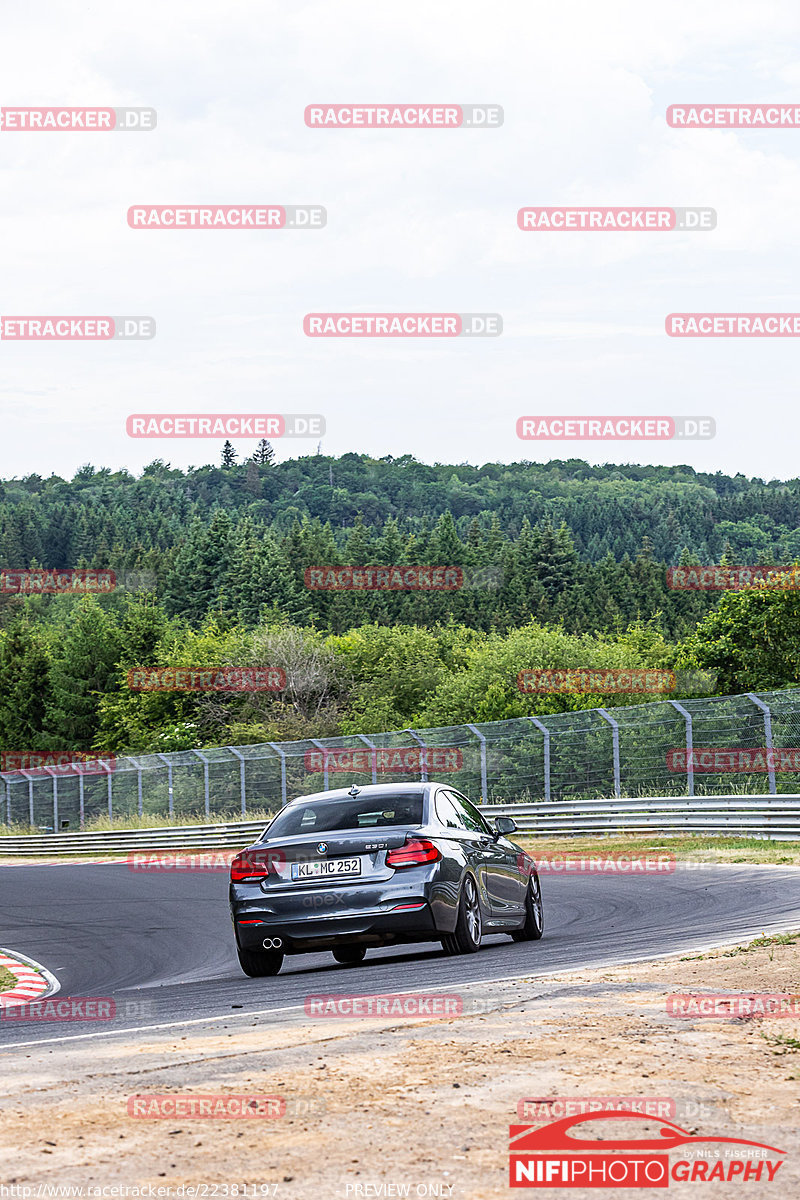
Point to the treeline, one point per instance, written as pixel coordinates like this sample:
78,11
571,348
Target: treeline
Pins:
100,514
563,565
65,664
240,571
560,542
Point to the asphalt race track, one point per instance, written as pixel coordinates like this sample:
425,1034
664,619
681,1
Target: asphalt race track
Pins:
166,939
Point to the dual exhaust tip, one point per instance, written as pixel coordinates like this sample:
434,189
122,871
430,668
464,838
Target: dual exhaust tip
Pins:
272,943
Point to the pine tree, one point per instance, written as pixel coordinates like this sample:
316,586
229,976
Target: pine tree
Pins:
264,454
24,687
229,455
144,627
84,670
261,579
252,482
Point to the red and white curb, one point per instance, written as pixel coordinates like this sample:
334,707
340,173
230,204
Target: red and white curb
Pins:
33,980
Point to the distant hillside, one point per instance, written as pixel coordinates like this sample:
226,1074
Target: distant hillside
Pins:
562,540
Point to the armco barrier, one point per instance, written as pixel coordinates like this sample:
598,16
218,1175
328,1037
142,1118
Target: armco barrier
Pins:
123,841
753,816
776,820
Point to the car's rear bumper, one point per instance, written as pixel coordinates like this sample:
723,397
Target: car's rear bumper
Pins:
326,917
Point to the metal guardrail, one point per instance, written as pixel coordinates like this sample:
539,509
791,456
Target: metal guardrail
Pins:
769,818
753,816
183,837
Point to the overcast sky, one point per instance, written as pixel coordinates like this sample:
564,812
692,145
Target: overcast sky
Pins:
417,221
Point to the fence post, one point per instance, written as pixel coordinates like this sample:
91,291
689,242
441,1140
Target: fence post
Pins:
316,742
535,721
373,748
7,782
110,798
170,792
615,746
767,737
423,770
206,795
80,794
484,779
29,777
51,772
282,754
240,757
689,747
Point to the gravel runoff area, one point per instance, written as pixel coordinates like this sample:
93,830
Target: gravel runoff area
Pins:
418,1107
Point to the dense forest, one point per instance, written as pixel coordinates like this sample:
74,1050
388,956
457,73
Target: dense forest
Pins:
562,565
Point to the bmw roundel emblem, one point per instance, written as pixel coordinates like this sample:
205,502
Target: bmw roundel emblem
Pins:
322,847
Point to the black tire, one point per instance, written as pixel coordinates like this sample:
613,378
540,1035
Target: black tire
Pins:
466,938
350,956
257,963
533,928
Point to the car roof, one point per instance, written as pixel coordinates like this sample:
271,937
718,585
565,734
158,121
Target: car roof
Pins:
369,791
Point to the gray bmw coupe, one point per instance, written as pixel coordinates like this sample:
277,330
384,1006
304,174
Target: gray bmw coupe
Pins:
377,866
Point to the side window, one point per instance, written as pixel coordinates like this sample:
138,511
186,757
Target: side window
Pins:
447,812
469,814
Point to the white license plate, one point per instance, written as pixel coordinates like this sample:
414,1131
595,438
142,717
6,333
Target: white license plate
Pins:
326,869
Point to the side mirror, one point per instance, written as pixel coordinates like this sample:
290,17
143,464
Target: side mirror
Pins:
505,825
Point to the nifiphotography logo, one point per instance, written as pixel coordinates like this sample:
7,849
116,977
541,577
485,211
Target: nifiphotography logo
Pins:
552,1156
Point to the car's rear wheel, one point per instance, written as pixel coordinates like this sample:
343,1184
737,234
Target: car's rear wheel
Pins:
533,927
466,937
257,963
349,956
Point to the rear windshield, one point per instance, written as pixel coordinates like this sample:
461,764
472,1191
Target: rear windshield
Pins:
324,816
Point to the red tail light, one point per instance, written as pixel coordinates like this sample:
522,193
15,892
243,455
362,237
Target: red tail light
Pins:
414,853
255,864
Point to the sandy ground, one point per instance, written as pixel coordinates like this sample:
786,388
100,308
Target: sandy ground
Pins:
378,1105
